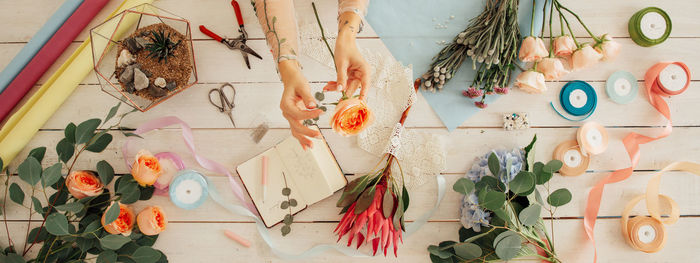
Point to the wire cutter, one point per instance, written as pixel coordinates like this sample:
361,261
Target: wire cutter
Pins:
235,43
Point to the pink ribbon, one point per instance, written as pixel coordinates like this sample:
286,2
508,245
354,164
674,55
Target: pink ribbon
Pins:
188,138
162,189
655,94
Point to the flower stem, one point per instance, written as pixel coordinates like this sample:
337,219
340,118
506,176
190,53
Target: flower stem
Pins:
561,15
323,35
551,39
4,210
532,18
580,21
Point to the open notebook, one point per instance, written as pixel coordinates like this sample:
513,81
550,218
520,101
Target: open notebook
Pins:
312,175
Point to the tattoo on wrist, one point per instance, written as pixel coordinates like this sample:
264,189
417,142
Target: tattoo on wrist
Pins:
345,25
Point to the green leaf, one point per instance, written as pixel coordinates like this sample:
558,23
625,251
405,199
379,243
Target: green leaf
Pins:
86,130
69,132
16,194
494,164
38,153
37,205
107,256
501,213
57,224
292,202
463,186
288,219
274,19
491,182
74,207
129,191
439,252
522,183
146,192
559,197
99,144
530,152
493,200
320,96
113,242
507,247
436,259
84,244
388,203
530,215
365,200
37,233
112,112
92,228
541,177
112,213
398,214
145,255
51,175
286,229
286,191
30,171
12,258
65,150
467,250
552,166
105,171
404,196
323,108
352,191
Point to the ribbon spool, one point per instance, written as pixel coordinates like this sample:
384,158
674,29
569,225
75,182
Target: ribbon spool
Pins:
643,233
188,190
592,138
621,87
578,98
574,162
649,27
672,80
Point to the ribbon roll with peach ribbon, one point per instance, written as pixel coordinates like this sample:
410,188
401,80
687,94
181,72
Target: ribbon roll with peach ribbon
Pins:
663,79
592,138
574,162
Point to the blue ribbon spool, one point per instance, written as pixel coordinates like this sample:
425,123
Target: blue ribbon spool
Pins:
189,189
621,87
578,98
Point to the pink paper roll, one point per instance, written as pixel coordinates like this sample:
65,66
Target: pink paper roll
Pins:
48,54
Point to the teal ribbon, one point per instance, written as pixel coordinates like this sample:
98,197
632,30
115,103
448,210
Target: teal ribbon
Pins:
584,111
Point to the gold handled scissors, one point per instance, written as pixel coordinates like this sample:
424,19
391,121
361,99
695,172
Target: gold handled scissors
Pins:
224,105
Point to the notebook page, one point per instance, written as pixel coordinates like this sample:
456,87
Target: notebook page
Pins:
304,169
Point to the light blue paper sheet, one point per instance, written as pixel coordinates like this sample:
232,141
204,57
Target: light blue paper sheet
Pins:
411,30
37,42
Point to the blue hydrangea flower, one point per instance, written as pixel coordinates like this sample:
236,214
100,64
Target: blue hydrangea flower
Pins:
471,215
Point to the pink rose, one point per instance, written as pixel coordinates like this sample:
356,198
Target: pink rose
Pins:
552,68
564,46
585,57
531,82
608,47
83,183
532,49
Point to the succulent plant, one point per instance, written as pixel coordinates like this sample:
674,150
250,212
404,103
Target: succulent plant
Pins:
161,46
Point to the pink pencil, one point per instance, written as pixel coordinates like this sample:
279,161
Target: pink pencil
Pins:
237,238
264,177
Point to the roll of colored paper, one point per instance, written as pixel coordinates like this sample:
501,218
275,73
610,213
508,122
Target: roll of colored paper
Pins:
37,42
53,49
23,124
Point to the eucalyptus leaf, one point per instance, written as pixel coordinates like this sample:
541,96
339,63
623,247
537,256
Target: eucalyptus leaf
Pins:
30,171
491,182
105,171
113,242
530,215
436,259
84,244
12,258
530,152
37,235
65,150
16,194
284,205
38,153
463,186
501,213
439,252
100,143
51,175
286,229
112,112
388,203
494,164
509,247
468,250
365,200
286,191
91,229
522,183
288,219
37,205
503,235
69,132
559,197
493,200
553,166
112,213
129,191
57,224
86,130
107,256
74,207
145,254
319,96
292,202
145,193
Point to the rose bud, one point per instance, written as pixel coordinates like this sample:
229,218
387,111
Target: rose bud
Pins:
146,168
124,222
608,47
532,49
552,68
151,220
351,117
564,46
584,57
84,183
531,82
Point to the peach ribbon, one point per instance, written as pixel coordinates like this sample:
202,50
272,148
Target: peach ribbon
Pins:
655,93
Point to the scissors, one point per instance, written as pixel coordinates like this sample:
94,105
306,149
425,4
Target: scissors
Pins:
225,105
235,43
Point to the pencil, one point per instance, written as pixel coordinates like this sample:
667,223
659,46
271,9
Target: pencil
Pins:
264,177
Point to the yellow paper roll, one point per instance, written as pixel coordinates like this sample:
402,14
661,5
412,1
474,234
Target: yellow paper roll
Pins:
21,126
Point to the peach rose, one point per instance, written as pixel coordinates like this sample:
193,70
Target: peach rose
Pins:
146,168
152,220
531,82
124,222
532,49
584,57
552,68
564,46
84,183
608,47
351,117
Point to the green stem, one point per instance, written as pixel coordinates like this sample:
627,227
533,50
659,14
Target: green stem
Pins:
4,210
323,34
29,221
580,21
532,19
561,15
551,39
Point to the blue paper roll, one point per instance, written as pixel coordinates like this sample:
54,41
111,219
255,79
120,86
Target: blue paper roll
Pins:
189,189
37,42
578,98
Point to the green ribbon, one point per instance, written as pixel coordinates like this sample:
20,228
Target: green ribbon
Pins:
635,29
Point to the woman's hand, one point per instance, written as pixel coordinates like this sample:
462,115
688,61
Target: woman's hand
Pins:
352,69
297,103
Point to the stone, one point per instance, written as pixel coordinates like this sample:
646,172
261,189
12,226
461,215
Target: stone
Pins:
127,75
140,80
129,87
171,86
157,92
134,45
160,82
142,41
125,58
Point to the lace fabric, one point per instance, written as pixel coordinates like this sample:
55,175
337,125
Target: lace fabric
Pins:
421,154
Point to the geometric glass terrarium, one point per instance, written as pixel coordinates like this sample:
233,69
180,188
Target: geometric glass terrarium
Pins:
143,56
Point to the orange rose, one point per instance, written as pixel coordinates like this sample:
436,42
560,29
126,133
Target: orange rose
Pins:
532,49
84,183
152,220
585,57
124,222
564,46
146,168
531,82
552,68
351,117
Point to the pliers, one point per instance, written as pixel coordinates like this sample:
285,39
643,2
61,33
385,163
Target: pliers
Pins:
235,43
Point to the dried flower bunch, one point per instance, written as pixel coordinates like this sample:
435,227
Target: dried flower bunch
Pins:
161,46
491,41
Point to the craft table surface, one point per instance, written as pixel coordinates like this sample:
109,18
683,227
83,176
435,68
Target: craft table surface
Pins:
197,235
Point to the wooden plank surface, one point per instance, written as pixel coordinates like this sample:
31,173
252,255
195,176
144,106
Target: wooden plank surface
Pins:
196,236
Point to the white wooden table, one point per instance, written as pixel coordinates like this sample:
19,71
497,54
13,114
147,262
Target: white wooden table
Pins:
196,236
